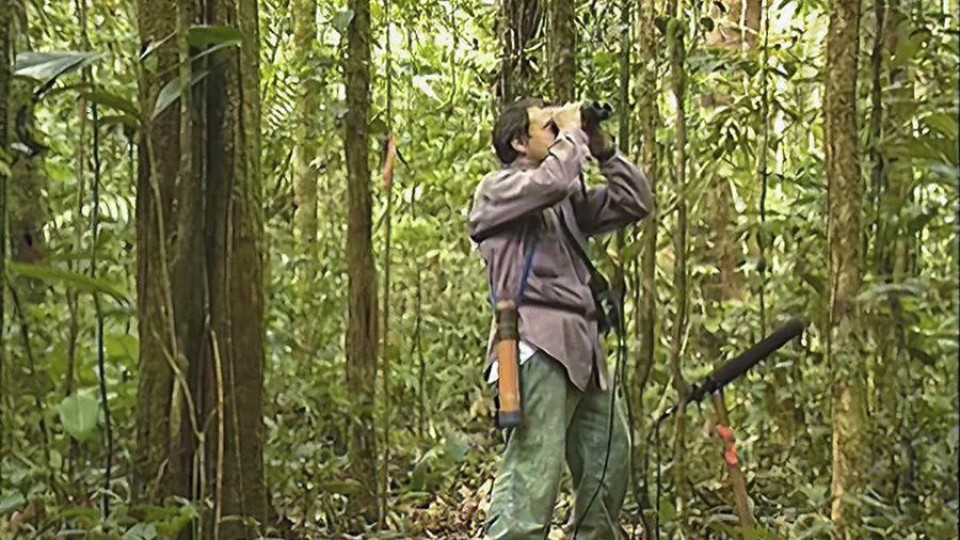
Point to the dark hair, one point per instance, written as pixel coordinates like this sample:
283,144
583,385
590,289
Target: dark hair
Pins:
513,124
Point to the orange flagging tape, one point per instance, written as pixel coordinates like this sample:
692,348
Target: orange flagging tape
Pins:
730,455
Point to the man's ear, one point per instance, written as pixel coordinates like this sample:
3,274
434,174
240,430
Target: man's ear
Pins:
519,146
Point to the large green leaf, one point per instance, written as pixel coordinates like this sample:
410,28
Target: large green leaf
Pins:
45,67
70,279
109,99
171,92
202,35
141,531
79,416
342,20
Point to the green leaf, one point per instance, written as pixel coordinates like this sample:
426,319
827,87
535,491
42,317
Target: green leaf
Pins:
45,67
9,502
943,123
70,279
668,512
421,83
124,119
141,531
79,416
153,46
342,20
202,35
109,99
343,487
125,346
212,50
171,92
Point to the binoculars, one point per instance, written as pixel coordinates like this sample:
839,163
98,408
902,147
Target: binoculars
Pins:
594,112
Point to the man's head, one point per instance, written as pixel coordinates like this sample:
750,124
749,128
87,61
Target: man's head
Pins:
524,129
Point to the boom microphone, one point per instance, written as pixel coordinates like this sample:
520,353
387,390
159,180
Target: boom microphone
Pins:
736,367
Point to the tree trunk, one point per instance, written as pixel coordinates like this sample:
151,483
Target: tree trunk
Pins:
234,367
649,120
843,234
675,39
200,296
563,25
361,339
519,24
308,107
6,73
27,212
726,253
158,472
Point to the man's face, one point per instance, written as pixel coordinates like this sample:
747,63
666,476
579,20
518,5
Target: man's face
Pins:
541,134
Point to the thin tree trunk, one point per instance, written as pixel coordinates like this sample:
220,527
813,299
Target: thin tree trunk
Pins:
308,129
844,200
563,25
675,33
649,120
27,212
361,339
6,73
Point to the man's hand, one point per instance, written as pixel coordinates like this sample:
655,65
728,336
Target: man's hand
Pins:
600,144
567,118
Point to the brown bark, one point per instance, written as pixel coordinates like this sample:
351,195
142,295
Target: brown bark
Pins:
200,296
361,339
519,24
649,120
235,271
563,35
27,207
843,226
6,73
735,32
155,477
307,129
675,40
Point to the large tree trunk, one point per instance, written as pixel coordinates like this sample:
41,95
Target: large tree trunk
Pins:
563,25
158,472
200,296
843,233
519,24
234,368
361,339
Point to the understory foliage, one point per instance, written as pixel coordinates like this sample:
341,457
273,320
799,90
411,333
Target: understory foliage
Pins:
768,253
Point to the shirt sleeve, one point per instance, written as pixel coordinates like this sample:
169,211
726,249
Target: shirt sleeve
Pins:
626,198
512,194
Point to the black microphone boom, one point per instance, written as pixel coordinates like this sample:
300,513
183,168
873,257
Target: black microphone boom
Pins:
732,369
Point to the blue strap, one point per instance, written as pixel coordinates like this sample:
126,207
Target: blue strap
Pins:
527,266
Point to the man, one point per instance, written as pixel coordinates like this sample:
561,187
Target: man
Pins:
535,207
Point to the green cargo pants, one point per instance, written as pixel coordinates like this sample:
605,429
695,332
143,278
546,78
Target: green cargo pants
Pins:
560,423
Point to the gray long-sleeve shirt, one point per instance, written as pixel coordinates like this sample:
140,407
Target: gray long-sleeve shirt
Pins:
526,200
